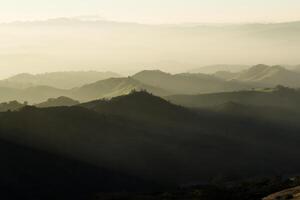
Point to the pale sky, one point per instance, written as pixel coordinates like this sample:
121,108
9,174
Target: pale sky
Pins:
155,11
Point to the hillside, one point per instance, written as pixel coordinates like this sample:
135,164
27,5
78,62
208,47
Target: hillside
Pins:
31,95
101,89
187,83
176,152
211,69
270,76
113,87
62,80
56,102
33,174
12,106
141,105
279,97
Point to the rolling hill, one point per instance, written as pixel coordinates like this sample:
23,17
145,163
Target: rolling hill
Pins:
101,89
142,106
270,76
62,80
113,87
187,83
56,102
180,153
31,95
280,97
12,106
211,69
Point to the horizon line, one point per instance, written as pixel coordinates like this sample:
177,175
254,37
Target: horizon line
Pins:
75,18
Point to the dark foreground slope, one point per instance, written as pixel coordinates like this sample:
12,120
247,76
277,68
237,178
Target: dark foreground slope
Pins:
202,147
32,174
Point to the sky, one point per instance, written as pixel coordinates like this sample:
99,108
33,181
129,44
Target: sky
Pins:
155,11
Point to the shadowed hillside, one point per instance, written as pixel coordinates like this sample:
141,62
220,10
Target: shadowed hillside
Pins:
141,105
176,152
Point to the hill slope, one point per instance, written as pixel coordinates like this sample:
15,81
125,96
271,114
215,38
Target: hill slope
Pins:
56,102
278,97
166,154
113,87
270,76
142,106
187,83
62,80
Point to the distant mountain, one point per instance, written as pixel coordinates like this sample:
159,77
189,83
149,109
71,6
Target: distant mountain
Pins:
113,87
225,75
188,83
277,97
56,102
211,69
63,80
269,76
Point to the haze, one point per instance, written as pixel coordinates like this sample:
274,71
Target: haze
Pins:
96,35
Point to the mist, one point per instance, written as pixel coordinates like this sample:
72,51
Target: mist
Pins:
70,44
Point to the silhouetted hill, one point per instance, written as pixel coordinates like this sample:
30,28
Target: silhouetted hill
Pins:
211,145
56,102
12,106
62,80
187,83
113,87
141,105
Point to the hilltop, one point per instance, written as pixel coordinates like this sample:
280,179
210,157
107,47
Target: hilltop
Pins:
62,80
187,83
56,102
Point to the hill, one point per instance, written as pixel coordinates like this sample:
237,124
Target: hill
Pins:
142,106
187,83
113,87
62,80
12,106
31,95
101,89
170,155
211,69
281,97
270,76
56,102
